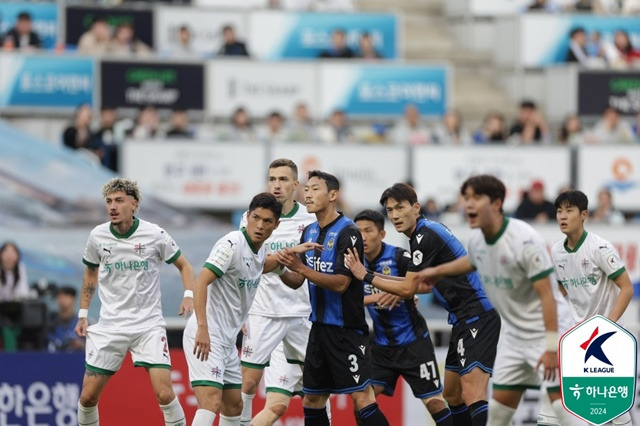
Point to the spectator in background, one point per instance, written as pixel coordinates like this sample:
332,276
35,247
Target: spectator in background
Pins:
571,131
240,129
605,212
610,129
450,131
106,139
337,130
231,46
13,274
595,49
61,335
578,47
636,127
96,40
339,48
534,207
430,210
147,125
183,47
78,135
22,36
179,125
275,130
301,126
530,127
543,6
124,42
410,130
367,50
492,131
622,54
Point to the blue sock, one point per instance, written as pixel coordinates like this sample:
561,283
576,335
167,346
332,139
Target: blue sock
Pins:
443,417
316,416
479,411
461,415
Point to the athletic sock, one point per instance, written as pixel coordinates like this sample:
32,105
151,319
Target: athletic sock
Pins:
372,416
203,418
316,417
88,416
460,414
624,419
565,418
443,417
500,414
229,420
478,411
247,407
173,414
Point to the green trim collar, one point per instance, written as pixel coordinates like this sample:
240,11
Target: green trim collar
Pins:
136,223
492,241
246,236
293,211
577,247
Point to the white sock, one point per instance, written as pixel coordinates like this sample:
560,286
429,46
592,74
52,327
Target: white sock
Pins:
88,416
247,403
173,414
499,414
203,418
565,417
229,421
624,419
328,407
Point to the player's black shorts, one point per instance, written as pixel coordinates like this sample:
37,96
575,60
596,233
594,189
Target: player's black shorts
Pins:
415,362
337,361
473,344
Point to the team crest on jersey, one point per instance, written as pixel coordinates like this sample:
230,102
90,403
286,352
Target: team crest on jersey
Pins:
386,270
585,264
283,379
247,351
330,244
139,248
216,371
417,257
300,229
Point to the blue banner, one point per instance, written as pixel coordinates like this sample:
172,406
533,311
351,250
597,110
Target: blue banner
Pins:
40,388
384,90
307,35
44,18
46,81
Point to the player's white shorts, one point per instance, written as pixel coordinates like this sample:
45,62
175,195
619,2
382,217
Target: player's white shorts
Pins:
281,376
105,350
265,333
220,370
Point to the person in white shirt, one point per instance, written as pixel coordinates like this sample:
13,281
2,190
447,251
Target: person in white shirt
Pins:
279,315
13,274
124,257
516,272
224,291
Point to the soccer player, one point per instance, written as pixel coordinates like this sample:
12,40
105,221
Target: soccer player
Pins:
235,265
588,268
402,343
475,324
279,314
124,256
515,267
337,356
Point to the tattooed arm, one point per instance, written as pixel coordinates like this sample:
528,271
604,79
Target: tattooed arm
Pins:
89,285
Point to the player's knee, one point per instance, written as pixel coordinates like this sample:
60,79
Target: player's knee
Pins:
165,395
434,405
452,396
279,409
313,401
87,399
249,386
471,394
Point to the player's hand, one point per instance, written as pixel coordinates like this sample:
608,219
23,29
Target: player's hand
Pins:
549,361
352,261
387,300
81,327
427,279
304,247
202,346
186,307
245,332
291,260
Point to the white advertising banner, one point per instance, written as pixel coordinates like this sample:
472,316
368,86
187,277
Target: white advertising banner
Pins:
438,172
260,87
232,4
196,175
364,172
205,26
488,8
614,167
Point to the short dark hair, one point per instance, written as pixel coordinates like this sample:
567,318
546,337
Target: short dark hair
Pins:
24,15
332,182
339,30
573,198
227,27
373,216
267,201
68,290
99,18
285,162
399,192
485,185
528,104
575,31
275,114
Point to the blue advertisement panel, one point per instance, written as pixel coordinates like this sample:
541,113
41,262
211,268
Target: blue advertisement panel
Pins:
45,81
44,18
381,90
276,35
552,48
40,388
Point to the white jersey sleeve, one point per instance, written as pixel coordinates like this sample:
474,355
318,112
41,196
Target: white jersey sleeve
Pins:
535,259
169,250
91,255
606,257
221,256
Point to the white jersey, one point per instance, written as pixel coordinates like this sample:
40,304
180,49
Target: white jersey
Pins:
238,267
274,298
129,273
587,273
508,265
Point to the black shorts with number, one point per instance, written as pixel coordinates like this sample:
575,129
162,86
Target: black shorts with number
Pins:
415,362
474,343
337,361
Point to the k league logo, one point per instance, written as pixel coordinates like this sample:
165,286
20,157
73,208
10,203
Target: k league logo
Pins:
598,370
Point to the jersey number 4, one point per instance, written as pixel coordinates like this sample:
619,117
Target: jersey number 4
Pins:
424,371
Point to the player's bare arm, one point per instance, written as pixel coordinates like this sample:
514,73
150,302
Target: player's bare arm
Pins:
429,276
549,359
89,286
337,283
623,281
187,275
202,344
405,288
271,262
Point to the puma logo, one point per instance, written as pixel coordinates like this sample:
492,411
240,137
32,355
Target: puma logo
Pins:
107,250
